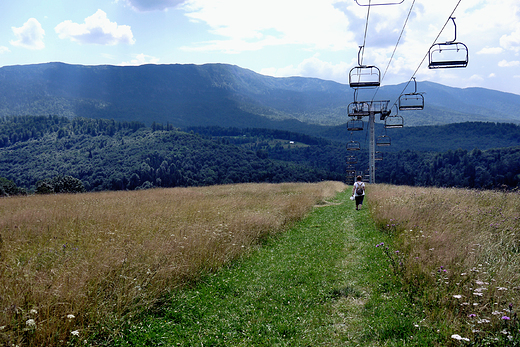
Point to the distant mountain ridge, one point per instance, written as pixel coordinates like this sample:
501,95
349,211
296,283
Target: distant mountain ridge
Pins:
223,95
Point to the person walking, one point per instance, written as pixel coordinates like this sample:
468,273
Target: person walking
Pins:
358,192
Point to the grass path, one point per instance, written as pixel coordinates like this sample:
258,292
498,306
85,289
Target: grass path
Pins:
319,284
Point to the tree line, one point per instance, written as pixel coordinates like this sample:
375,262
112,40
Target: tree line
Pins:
56,154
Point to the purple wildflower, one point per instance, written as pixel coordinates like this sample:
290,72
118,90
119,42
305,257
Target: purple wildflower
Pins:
505,318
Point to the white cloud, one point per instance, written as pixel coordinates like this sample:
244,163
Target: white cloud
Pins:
97,29
152,5
30,35
512,41
313,67
141,59
4,50
490,50
248,25
505,63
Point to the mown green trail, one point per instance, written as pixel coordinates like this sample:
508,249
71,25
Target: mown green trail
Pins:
314,285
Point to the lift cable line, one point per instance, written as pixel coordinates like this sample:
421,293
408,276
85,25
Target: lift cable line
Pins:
397,44
365,35
380,4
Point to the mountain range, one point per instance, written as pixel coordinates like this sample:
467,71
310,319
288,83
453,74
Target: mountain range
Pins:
226,96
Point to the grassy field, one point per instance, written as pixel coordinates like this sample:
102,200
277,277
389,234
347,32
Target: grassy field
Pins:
456,253
72,266
261,265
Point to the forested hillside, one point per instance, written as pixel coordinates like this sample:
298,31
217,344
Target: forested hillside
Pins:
224,95
110,155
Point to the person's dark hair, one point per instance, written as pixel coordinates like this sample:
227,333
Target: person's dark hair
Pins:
359,178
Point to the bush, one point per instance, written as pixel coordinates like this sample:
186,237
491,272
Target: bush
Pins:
60,184
7,188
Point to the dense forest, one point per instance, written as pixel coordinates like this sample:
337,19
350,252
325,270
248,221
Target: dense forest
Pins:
108,155
51,153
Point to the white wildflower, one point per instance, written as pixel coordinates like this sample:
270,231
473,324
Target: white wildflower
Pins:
501,288
71,316
496,313
478,294
30,323
75,333
458,337
482,321
33,311
457,296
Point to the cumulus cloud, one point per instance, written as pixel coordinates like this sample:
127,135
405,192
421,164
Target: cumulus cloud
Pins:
313,67
511,41
4,50
141,59
152,5
252,25
30,35
490,50
505,63
97,29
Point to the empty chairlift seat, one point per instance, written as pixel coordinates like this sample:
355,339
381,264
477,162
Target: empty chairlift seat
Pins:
351,160
395,121
411,101
364,76
383,140
355,125
353,146
449,54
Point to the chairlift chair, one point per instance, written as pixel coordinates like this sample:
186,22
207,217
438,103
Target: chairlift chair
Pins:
378,156
353,146
364,76
411,101
395,121
355,124
383,140
449,54
351,160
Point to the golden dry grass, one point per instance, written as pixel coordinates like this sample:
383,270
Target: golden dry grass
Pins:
68,263
461,249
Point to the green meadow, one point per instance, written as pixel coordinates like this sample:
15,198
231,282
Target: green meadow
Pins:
261,265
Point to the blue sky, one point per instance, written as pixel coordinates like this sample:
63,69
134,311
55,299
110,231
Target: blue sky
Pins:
310,38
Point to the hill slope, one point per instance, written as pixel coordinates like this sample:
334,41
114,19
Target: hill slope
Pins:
224,95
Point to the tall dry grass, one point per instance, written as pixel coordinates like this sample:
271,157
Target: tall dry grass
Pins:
72,264
461,253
